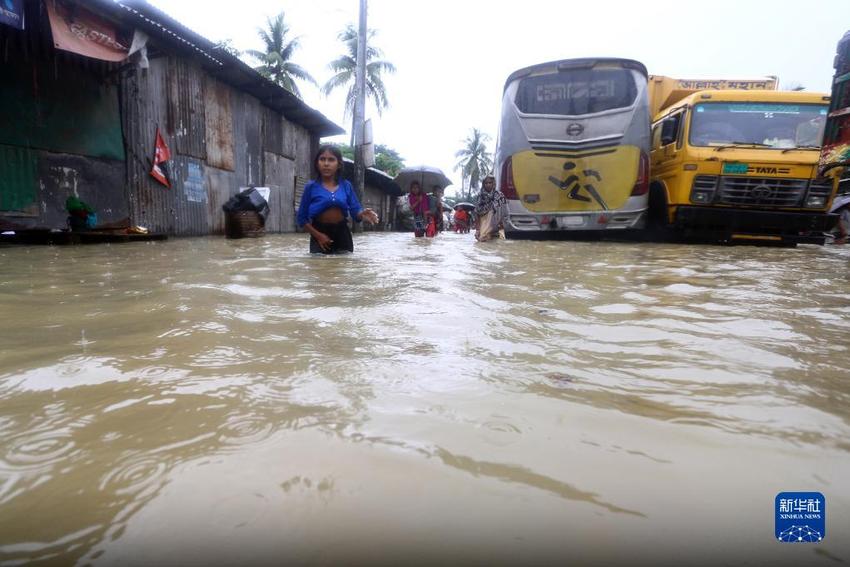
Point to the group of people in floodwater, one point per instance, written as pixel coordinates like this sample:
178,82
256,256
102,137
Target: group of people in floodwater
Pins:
329,201
488,216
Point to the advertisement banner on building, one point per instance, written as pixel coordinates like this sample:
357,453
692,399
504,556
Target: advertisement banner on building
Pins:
12,13
78,30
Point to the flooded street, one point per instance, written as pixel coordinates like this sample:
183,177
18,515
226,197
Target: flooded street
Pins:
205,401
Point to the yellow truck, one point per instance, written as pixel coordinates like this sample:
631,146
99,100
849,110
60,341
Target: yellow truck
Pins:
735,160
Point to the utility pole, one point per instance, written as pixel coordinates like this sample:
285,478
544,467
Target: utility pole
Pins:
360,105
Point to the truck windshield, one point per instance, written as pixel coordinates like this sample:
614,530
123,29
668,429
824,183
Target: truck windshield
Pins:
575,92
771,125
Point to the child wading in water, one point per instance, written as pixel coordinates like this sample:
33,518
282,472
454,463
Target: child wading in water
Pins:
326,204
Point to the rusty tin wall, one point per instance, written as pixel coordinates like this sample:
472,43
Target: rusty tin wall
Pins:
159,97
288,150
220,139
144,108
376,199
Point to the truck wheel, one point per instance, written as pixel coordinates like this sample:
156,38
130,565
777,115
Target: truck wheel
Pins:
657,225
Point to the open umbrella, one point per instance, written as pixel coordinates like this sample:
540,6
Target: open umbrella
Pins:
426,175
467,206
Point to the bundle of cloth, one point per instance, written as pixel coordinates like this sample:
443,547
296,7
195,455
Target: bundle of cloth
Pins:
81,215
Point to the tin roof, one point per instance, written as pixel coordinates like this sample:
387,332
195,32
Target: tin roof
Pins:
139,14
375,177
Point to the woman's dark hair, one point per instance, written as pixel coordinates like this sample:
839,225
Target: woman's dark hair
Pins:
337,154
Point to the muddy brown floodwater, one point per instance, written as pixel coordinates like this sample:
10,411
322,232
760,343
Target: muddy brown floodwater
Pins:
205,401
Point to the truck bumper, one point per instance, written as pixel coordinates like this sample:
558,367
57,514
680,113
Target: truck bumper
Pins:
743,224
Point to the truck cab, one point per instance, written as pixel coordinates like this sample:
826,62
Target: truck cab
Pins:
835,154
739,164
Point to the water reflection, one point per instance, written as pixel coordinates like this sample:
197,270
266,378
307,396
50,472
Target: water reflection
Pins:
248,383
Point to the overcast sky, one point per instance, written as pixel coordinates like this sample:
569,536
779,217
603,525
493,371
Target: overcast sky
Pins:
453,56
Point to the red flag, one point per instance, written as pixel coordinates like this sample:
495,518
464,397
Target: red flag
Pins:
161,154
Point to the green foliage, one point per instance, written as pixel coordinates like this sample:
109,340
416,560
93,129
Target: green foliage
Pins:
474,161
344,68
227,47
386,159
276,61
346,151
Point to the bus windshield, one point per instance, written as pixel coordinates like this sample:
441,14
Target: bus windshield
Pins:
575,92
772,125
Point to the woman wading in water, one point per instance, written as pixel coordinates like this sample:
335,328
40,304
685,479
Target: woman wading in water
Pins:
420,207
326,204
492,211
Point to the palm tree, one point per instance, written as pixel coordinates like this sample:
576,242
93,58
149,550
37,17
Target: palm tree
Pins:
344,68
276,64
474,160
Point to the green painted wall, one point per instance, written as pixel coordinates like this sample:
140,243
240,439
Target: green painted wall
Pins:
17,179
61,108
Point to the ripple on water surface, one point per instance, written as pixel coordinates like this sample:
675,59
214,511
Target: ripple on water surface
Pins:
506,375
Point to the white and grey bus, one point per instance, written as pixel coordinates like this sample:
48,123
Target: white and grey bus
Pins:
573,148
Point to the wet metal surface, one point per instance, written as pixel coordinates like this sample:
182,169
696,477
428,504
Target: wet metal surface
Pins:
202,118
215,401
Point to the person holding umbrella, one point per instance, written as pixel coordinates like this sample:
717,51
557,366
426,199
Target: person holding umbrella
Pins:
326,204
422,176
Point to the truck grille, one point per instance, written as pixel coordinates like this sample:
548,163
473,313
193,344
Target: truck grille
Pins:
772,191
705,183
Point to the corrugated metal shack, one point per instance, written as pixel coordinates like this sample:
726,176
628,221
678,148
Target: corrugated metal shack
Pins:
71,124
380,193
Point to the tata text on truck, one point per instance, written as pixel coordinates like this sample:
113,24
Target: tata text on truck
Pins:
736,161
